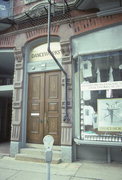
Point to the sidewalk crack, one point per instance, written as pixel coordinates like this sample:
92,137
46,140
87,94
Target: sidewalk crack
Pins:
75,172
13,175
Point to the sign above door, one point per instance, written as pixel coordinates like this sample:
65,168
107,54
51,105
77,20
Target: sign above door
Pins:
40,53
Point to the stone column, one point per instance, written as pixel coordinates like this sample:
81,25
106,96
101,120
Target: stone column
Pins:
17,103
66,127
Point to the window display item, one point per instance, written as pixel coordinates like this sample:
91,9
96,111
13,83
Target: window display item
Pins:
120,66
111,74
98,75
95,122
101,97
109,93
86,66
89,115
109,114
86,94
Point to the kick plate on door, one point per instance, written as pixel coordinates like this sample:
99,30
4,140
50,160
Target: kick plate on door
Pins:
34,114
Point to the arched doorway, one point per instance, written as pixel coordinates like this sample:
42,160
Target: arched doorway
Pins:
43,92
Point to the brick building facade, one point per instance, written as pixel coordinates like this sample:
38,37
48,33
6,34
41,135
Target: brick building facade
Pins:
37,98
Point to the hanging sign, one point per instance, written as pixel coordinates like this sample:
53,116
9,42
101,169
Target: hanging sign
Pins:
40,53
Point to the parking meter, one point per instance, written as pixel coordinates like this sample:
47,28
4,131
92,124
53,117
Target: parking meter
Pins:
48,144
48,156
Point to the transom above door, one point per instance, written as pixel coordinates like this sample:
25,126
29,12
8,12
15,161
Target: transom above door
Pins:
44,106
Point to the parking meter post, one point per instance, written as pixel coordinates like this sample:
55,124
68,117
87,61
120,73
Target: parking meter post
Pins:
48,144
48,171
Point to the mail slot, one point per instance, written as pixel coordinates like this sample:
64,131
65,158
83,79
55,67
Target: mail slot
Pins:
34,114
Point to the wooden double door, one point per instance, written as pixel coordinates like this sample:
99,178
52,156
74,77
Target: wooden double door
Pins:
44,107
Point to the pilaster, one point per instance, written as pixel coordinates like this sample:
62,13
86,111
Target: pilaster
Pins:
66,127
17,96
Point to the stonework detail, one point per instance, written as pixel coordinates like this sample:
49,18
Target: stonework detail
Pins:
66,134
18,55
69,104
69,83
42,31
18,85
15,132
19,65
66,60
65,48
17,96
7,41
89,24
66,127
17,104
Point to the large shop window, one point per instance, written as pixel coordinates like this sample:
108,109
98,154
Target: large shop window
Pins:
101,96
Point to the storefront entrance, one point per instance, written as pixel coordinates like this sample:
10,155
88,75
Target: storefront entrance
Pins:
44,101
98,95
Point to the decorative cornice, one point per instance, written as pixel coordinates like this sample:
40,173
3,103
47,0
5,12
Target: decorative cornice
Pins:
65,19
39,32
85,25
7,41
80,24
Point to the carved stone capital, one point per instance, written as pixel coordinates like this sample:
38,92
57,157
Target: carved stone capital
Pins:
18,55
65,48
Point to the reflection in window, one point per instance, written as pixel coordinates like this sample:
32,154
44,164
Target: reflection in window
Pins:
4,9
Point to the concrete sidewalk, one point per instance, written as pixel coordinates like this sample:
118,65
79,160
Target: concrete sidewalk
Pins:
11,169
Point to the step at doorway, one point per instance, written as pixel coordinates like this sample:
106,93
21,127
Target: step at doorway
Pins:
36,153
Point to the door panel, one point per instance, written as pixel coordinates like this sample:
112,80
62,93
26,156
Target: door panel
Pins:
35,108
52,104
44,107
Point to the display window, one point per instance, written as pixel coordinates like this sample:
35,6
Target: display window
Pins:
100,87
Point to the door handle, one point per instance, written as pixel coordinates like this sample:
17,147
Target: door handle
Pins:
41,121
